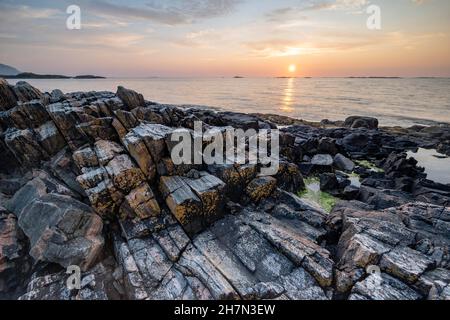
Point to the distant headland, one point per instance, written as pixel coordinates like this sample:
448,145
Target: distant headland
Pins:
30,75
9,72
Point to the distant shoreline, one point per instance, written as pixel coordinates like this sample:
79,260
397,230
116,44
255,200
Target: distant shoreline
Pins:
29,75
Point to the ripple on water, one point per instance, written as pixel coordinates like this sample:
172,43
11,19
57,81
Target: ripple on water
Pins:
437,165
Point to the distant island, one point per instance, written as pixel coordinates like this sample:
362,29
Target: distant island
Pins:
9,72
30,75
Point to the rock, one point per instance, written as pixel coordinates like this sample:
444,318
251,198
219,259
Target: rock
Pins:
261,188
124,174
61,229
350,192
322,160
210,191
66,117
383,287
106,150
406,264
195,202
361,122
85,158
130,98
155,137
14,262
25,92
343,163
7,98
25,147
141,203
96,284
182,202
329,183
50,138
289,177
138,150
327,146
57,96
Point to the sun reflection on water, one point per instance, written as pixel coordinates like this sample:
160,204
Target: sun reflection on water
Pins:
288,100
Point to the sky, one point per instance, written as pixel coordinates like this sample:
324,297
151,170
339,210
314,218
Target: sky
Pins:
215,38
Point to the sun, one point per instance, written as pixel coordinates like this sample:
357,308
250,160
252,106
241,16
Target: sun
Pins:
292,68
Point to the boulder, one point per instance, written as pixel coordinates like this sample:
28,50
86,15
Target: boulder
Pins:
14,261
322,160
343,163
327,146
7,98
25,92
361,122
61,229
50,138
25,147
130,98
261,188
329,183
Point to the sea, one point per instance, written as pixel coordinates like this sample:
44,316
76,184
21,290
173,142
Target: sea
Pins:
394,101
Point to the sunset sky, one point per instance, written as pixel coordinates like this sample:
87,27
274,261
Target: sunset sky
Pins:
228,37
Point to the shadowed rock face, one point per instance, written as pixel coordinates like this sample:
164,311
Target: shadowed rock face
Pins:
89,181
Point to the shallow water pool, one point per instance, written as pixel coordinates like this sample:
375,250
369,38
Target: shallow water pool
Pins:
437,165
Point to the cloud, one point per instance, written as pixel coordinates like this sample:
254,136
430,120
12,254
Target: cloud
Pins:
12,12
173,13
336,42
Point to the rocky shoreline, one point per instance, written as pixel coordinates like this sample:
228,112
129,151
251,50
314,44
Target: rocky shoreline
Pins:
86,179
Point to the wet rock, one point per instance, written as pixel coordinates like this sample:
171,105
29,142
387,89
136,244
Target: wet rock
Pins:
361,122
343,163
130,98
261,188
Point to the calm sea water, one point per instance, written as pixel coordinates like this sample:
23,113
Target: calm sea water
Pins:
403,102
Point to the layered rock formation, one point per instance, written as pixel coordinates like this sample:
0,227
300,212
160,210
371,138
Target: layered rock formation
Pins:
87,180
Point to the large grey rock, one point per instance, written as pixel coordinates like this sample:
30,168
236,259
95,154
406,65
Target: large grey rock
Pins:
343,163
61,229
322,160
